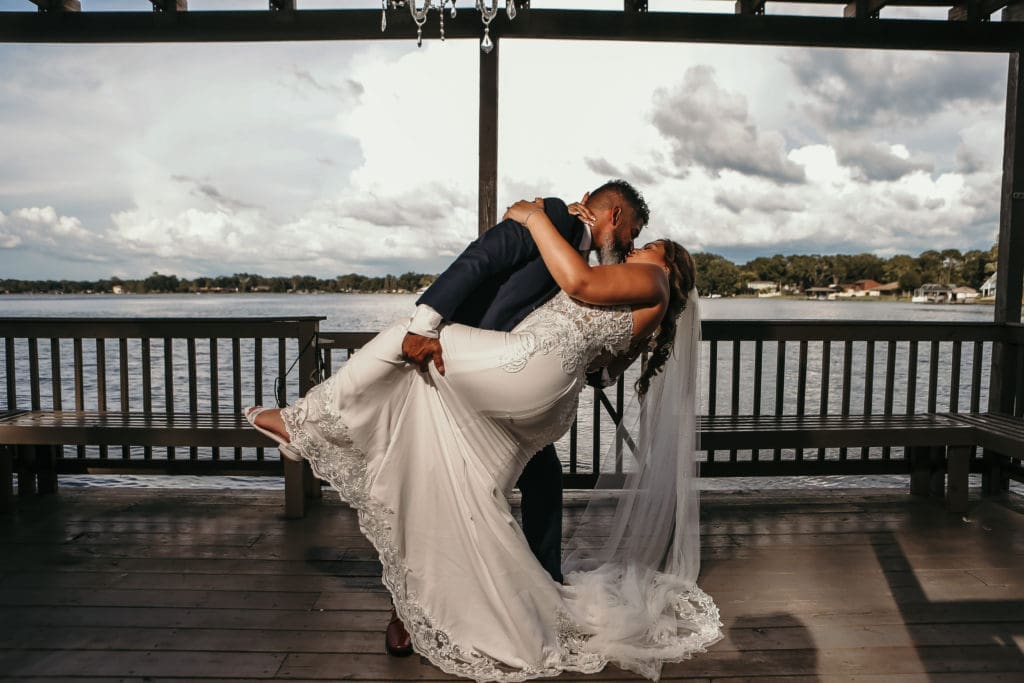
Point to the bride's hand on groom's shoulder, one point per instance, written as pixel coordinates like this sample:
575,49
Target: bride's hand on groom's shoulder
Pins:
521,210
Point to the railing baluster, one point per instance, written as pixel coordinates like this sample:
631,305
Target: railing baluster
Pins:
214,388
826,368
169,385
912,360
122,373
846,388
257,398
712,385
758,379
282,384
954,377
12,383
56,385
801,388
193,393
79,397
780,384
596,434
869,389
933,376
236,382
976,377
890,380
735,388
101,384
1018,408
147,388
33,372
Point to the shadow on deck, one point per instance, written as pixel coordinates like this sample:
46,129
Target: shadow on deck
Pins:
173,585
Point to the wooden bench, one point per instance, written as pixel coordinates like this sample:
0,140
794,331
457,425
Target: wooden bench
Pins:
923,434
169,389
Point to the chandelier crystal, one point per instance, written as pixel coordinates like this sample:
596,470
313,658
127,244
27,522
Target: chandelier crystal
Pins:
420,10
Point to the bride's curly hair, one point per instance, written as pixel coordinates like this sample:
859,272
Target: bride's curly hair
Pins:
682,277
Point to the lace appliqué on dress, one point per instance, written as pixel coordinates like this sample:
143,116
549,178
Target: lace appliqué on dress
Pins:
343,466
578,331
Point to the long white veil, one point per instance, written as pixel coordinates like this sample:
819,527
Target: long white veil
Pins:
631,565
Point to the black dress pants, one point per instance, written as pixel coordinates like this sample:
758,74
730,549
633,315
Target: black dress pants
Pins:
541,486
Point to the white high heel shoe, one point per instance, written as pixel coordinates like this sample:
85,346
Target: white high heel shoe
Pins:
287,450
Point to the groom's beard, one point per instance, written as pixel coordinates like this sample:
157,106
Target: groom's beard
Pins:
610,253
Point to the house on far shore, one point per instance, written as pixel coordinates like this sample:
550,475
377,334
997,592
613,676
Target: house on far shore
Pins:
865,286
821,293
965,295
888,289
988,290
932,293
764,288
117,289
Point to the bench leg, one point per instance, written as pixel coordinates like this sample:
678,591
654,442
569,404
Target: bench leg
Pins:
958,468
310,483
6,478
920,470
26,477
294,489
46,467
993,482
937,484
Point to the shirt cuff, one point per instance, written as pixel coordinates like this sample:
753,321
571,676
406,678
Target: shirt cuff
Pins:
425,322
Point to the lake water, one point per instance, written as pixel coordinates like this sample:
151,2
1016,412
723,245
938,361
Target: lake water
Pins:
371,312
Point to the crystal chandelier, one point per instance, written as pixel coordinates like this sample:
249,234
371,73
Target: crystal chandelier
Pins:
419,9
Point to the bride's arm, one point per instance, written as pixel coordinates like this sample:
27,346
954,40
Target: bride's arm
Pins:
625,283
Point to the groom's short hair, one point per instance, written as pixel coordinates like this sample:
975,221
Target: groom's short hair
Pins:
629,194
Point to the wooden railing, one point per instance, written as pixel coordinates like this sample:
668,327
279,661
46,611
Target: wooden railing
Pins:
152,366
827,367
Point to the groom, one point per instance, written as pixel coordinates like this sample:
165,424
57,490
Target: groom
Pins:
495,283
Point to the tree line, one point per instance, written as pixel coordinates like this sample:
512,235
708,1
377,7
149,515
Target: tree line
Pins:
718,275
715,275
159,283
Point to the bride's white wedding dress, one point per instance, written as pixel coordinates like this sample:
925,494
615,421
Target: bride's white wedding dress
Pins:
428,462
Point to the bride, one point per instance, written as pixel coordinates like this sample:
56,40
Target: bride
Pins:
428,460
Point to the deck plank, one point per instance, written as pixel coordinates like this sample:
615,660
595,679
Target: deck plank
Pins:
173,586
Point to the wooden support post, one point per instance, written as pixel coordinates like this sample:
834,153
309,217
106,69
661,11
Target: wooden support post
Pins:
170,5
299,482
749,7
488,143
958,468
864,9
1010,269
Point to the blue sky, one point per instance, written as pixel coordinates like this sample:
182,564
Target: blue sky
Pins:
327,158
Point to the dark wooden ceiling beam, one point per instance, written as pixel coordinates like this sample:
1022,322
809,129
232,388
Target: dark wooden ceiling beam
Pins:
225,26
864,9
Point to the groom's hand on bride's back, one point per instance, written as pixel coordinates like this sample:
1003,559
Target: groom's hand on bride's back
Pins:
420,350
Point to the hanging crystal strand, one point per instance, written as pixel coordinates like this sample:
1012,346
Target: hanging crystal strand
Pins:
486,16
442,22
453,9
510,9
420,17
383,15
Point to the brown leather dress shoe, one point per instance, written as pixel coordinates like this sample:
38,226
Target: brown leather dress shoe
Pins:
397,642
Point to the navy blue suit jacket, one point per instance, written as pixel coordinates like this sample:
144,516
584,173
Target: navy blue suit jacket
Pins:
500,277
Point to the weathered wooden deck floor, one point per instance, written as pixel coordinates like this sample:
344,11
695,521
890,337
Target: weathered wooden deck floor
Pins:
171,586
